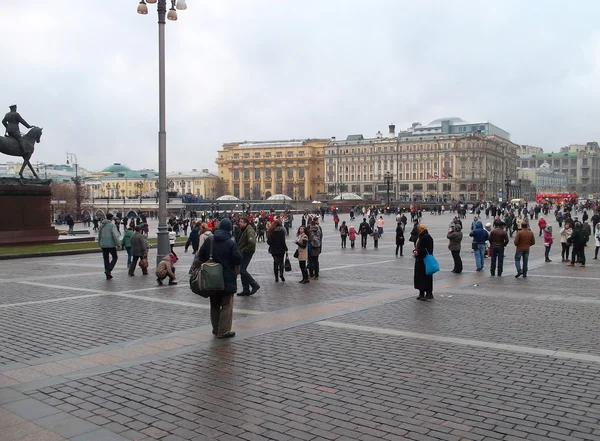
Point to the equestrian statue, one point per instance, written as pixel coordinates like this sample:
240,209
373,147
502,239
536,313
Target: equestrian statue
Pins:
13,144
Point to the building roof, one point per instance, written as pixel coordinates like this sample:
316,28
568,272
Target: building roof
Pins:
454,119
355,138
116,168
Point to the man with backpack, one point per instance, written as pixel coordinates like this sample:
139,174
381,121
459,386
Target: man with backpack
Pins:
364,230
224,251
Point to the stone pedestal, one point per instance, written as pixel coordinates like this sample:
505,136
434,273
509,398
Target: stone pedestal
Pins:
26,212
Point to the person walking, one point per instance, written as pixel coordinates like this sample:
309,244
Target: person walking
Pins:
352,235
523,241
343,233
597,237
224,251
423,282
565,241
542,225
247,246
277,248
139,249
548,240
127,244
364,229
399,239
315,237
172,239
498,242
579,240
455,237
194,238
380,224
302,242
480,236
108,240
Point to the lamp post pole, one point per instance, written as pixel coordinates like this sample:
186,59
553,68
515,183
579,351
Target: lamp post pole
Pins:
162,236
77,195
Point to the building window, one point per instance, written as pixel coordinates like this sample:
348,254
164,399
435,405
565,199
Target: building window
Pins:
268,173
257,154
246,174
236,155
290,153
301,153
278,154
236,174
278,173
267,154
290,173
257,174
301,172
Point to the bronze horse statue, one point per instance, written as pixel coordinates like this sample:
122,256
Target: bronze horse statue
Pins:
10,146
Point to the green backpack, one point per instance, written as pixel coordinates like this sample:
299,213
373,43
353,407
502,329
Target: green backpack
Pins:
208,278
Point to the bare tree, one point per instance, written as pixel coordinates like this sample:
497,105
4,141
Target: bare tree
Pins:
221,188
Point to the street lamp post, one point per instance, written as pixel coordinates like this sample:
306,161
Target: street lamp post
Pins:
388,178
162,236
76,180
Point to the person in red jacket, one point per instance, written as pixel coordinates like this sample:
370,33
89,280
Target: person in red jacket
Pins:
542,224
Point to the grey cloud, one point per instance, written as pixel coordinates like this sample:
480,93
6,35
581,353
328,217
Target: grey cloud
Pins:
269,69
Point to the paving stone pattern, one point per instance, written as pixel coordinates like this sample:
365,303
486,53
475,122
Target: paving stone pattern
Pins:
524,322
157,373
312,382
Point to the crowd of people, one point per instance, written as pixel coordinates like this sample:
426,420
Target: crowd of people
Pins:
231,240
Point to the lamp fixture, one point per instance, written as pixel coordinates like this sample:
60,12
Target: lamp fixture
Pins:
142,8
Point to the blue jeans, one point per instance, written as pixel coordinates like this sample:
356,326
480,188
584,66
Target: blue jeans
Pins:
479,255
128,249
518,255
497,257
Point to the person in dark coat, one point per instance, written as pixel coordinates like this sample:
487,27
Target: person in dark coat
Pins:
139,249
193,238
455,237
399,239
277,248
422,281
225,252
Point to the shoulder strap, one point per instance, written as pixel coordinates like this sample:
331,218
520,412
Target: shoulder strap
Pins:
210,256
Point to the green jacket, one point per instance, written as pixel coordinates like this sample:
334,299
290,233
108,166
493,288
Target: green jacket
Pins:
247,240
127,238
107,235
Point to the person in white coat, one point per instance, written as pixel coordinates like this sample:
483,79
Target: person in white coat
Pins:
172,239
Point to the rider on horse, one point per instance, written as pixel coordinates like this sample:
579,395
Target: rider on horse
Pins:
11,123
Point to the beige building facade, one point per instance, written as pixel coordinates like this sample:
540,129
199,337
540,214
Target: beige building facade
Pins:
258,170
440,161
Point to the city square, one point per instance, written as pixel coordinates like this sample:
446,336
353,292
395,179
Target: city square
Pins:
351,356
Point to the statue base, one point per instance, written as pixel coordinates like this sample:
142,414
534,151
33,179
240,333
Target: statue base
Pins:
27,212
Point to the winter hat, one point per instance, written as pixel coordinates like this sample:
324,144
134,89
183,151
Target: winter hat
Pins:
226,225
549,229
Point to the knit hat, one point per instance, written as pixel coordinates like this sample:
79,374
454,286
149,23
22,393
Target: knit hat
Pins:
226,225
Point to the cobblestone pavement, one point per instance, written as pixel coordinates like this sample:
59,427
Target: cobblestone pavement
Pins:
352,356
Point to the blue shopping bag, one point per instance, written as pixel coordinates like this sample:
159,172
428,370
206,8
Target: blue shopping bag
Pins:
431,265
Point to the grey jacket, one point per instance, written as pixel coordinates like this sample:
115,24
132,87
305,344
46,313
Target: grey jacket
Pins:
107,235
138,245
455,238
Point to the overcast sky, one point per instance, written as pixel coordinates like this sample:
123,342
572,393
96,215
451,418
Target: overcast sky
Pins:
87,71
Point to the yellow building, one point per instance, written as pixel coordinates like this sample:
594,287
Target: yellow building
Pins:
258,170
118,181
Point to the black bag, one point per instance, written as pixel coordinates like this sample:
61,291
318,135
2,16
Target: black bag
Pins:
296,254
287,266
474,245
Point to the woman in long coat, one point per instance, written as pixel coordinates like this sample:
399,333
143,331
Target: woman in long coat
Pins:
423,282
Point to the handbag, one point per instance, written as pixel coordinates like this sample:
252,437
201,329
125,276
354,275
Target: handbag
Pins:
287,266
431,265
296,254
208,278
143,263
474,245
